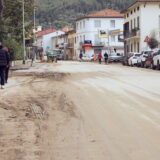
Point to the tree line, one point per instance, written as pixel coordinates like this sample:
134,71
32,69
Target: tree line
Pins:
11,34
54,13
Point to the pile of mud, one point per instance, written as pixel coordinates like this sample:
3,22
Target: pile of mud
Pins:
46,75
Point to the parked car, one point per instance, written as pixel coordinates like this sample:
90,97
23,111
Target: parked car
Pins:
156,60
143,57
115,57
149,60
133,60
126,57
86,57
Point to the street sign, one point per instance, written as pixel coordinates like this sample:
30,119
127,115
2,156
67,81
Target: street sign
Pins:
103,34
147,39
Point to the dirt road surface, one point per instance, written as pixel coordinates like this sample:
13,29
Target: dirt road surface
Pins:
80,111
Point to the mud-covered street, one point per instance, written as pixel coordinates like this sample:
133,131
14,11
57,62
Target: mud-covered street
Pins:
80,111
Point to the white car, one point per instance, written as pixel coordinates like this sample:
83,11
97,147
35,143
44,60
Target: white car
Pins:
133,60
86,57
156,61
142,58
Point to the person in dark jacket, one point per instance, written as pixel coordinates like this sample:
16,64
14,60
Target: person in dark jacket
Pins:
4,62
99,57
7,68
106,57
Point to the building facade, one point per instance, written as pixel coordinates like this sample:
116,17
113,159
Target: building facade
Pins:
72,44
142,22
99,32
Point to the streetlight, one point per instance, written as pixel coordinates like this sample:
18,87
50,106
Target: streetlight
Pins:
24,48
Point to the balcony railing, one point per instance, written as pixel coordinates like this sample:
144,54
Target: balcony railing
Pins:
98,43
130,34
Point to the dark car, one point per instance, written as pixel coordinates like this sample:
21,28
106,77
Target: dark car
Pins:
149,60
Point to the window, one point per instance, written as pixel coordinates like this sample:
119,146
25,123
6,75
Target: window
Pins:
131,12
113,38
137,8
134,23
83,37
131,24
97,23
113,23
84,24
127,14
96,38
77,25
138,47
134,10
138,22
80,25
131,47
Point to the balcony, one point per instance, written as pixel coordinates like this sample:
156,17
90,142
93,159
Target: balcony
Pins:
135,33
98,44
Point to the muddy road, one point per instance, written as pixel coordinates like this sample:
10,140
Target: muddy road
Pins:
80,111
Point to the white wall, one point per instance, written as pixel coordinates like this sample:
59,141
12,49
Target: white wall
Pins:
48,41
90,31
150,22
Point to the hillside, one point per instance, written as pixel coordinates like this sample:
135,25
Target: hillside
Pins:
58,13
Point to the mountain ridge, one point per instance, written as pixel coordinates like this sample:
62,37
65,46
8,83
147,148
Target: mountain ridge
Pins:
57,14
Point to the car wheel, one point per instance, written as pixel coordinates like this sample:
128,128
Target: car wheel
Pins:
158,65
145,65
152,66
142,65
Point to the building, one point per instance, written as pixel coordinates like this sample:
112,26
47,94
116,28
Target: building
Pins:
72,44
99,32
142,21
44,39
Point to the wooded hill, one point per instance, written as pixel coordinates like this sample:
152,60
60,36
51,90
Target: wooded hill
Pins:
58,13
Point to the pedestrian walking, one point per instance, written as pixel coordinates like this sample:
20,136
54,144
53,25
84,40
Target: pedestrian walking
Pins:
80,56
7,67
4,62
95,57
106,57
99,58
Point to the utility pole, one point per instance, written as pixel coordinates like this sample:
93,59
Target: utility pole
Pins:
34,25
24,48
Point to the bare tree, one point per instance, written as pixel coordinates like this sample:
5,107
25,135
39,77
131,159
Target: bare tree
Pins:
1,6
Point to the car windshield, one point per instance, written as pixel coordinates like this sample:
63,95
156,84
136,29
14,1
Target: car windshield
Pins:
137,55
57,52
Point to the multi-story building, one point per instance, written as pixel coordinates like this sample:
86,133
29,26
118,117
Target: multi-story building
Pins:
142,22
99,32
44,39
72,44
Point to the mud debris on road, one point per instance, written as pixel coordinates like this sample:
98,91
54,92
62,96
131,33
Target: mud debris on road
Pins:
80,111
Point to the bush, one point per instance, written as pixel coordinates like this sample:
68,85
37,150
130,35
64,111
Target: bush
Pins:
153,43
15,49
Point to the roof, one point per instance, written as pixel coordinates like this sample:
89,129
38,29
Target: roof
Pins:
66,29
136,1
44,32
106,13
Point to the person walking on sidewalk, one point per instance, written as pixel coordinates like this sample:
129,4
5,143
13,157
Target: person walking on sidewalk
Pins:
7,68
106,57
4,62
99,58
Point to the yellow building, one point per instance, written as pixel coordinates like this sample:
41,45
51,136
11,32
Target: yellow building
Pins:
71,44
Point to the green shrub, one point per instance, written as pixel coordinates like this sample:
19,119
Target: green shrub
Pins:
15,49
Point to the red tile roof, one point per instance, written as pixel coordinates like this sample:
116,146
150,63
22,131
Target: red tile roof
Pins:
66,29
41,33
106,13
